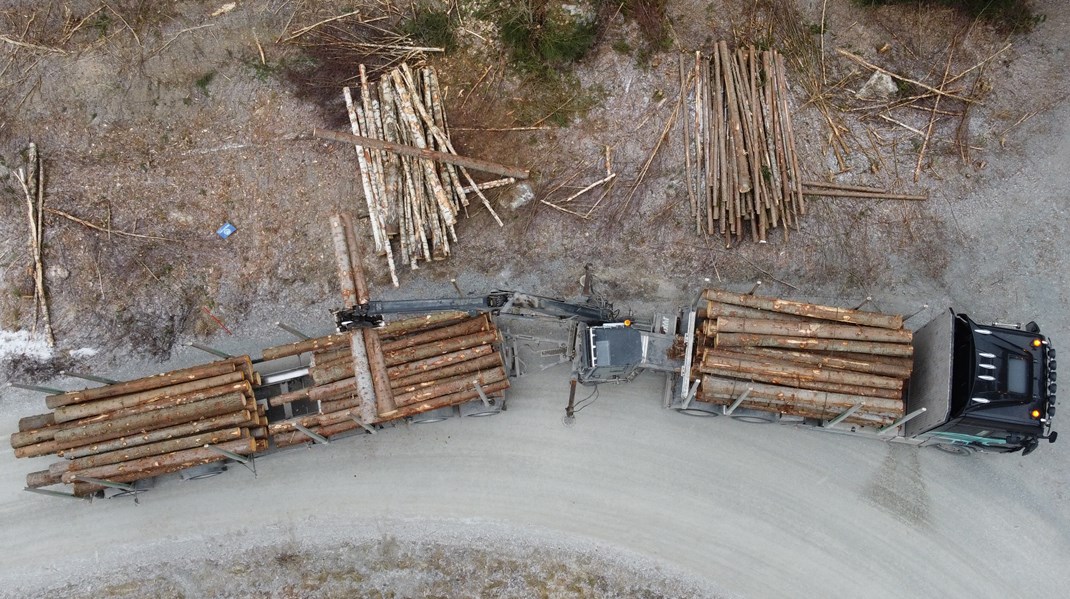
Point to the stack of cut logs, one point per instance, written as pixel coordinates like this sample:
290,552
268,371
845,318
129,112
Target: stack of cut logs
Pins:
413,199
740,147
431,361
146,427
802,359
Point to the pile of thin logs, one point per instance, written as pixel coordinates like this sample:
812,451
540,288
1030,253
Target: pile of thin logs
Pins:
413,199
802,359
431,362
33,186
742,167
146,427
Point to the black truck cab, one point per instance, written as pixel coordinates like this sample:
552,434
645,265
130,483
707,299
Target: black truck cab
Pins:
1002,388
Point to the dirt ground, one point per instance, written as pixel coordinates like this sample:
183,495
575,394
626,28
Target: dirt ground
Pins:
168,119
163,120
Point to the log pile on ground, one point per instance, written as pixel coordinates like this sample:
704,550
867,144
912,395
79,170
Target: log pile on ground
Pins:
431,362
412,201
802,359
743,169
146,427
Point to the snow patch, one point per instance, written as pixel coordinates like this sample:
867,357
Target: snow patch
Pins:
83,352
21,343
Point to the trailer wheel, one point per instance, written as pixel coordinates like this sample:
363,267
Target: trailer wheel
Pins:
755,416
955,448
700,409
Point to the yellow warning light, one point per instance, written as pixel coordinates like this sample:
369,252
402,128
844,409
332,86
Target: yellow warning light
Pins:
1035,413
627,323
1037,342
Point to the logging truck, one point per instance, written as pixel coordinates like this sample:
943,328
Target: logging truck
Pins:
953,384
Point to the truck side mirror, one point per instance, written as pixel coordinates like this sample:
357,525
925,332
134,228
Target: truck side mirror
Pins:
1052,436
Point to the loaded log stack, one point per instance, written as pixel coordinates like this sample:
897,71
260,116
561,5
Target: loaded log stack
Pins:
430,362
146,427
802,359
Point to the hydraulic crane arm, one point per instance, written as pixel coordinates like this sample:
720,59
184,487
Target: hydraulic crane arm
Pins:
498,302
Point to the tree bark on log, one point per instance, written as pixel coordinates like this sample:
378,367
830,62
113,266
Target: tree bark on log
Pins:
89,433
43,478
150,449
789,409
163,434
721,387
726,340
428,377
443,401
475,325
38,421
872,319
437,348
384,397
793,381
450,385
745,364
718,309
181,393
434,362
152,382
817,330
415,324
157,465
856,364
285,398
308,345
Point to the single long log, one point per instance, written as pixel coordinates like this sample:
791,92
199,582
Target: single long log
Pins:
100,431
438,348
896,361
35,422
43,478
872,319
333,390
725,340
801,383
341,259
37,449
443,401
150,449
326,356
384,397
307,345
721,387
379,144
415,324
157,465
347,403
162,434
427,378
356,254
310,421
718,309
859,364
746,364
452,385
365,387
468,327
290,397
152,382
188,391
843,193
435,362
818,330
338,427
333,372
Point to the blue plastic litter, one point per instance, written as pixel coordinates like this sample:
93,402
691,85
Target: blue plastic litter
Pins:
226,230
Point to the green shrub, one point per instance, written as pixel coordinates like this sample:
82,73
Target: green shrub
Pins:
432,28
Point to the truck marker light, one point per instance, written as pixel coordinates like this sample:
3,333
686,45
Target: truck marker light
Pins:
627,323
1037,343
1035,413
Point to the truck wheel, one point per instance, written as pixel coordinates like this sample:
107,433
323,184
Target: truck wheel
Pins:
955,448
700,409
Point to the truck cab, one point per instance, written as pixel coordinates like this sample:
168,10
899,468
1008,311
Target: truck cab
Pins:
999,390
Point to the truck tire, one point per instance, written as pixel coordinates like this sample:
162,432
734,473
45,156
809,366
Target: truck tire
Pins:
700,409
954,448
